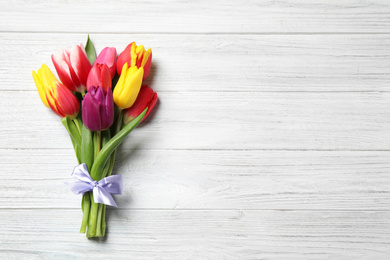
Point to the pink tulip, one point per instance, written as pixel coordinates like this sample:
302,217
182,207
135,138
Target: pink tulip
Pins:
108,56
99,76
72,66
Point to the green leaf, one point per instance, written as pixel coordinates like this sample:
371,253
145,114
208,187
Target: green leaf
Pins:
90,50
72,129
111,145
74,134
87,151
106,136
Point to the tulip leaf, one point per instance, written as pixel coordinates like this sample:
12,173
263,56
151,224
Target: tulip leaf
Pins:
87,151
73,131
90,50
106,136
111,145
74,134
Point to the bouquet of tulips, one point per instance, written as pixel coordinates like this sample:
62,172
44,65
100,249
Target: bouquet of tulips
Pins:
100,100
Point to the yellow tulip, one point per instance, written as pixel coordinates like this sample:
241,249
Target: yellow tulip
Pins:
128,86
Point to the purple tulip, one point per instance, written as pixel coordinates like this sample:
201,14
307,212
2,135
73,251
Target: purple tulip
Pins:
98,109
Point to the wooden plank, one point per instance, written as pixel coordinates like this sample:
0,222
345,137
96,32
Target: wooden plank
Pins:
223,62
223,120
219,179
227,234
175,16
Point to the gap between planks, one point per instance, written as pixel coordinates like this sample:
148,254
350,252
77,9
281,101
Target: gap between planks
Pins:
202,33
207,209
207,149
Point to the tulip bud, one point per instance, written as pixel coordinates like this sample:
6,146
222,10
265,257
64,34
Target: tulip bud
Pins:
135,56
147,98
98,109
108,56
128,86
72,66
99,76
55,95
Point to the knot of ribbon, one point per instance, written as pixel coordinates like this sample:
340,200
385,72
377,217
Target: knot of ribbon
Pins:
102,189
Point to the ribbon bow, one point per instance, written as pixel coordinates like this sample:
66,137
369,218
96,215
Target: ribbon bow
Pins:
101,189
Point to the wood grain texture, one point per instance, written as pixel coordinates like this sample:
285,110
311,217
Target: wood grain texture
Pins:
228,63
198,234
175,16
270,139
217,179
224,120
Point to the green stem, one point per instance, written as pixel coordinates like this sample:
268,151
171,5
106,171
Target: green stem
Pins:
95,217
77,123
99,221
85,204
98,142
102,165
119,121
87,148
92,218
104,220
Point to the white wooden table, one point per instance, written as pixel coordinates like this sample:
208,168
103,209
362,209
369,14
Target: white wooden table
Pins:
270,141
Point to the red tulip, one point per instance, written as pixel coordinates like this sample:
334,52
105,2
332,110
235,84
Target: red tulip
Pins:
72,66
108,56
146,98
135,56
99,76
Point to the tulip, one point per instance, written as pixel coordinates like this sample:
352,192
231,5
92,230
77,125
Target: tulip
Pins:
72,67
99,76
128,86
55,95
98,109
108,56
147,98
135,56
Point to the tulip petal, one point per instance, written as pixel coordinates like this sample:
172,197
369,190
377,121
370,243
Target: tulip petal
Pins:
60,62
50,96
131,90
106,78
120,84
46,75
133,55
99,76
124,56
91,112
147,98
80,64
109,111
147,63
67,102
108,56
41,88
151,105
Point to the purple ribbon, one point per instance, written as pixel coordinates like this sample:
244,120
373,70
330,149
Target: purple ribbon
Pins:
102,189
